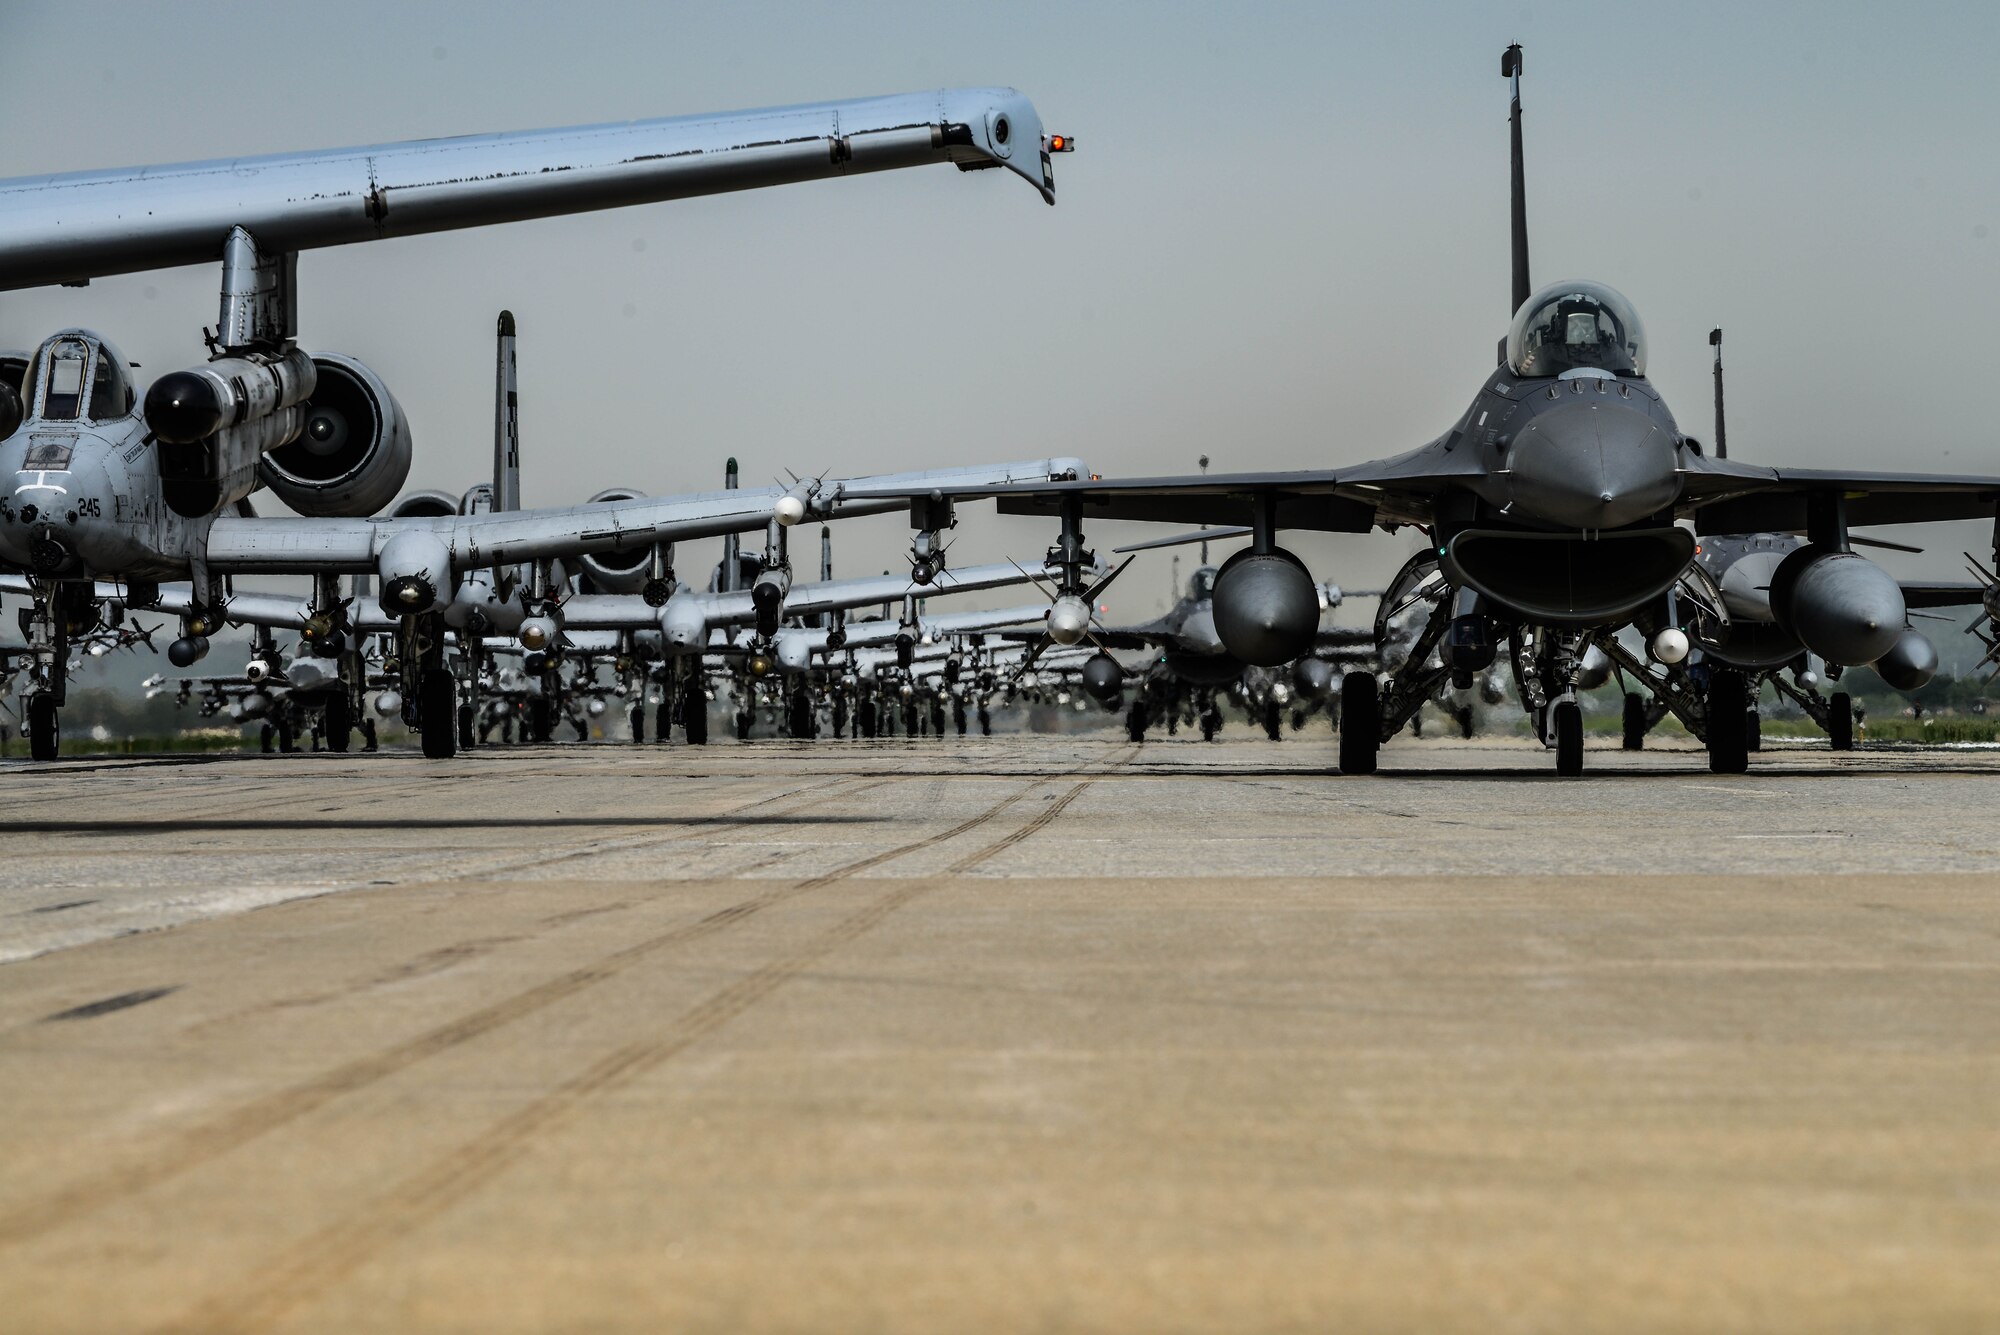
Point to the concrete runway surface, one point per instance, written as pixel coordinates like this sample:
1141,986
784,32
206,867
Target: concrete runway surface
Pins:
1019,1033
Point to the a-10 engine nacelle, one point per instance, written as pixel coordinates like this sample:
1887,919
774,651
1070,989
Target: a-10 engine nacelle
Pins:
643,570
351,453
213,424
1266,607
1840,605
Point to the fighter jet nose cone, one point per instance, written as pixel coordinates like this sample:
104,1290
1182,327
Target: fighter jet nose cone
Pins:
1592,465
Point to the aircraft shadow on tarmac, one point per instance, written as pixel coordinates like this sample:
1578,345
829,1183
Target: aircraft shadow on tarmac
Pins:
336,823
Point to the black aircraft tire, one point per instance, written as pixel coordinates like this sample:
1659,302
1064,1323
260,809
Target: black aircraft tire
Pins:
1635,721
1753,730
468,727
958,716
1728,723
638,722
1465,722
1840,721
44,727
663,723
1211,724
540,727
694,714
743,722
985,722
337,721
801,721
1569,739
437,710
265,739
1360,723
1274,722
865,719
288,741
840,716
1135,723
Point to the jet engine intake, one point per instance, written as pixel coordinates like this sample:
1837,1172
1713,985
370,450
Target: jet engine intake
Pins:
1563,579
353,453
1840,605
1266,607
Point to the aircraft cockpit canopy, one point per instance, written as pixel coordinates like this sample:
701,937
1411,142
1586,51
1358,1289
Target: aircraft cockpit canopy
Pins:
1202,587
78,376
1576,326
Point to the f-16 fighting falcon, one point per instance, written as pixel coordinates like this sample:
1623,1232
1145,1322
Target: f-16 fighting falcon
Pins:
1551,506
107,484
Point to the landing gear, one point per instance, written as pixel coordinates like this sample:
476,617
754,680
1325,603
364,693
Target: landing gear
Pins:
744,719
866,719
985,720
958,716
801,724
1360,722
1840,721
1568,720
839,715
1136,721
1728,722
1635,721
637,718
1753,730
694,712
44,728
1273,721
1464,716
337,722
1211,723
266,740
437,712
541,727
288,738
663,723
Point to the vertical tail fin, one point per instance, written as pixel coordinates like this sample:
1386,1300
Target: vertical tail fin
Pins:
1510,66
732,571
506,422
1721,434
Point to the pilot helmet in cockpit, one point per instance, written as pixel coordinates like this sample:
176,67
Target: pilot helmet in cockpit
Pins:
1576,326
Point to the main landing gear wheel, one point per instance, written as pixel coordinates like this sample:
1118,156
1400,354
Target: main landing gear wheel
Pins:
638,721
1635,721
1360,723
266,739
743,722
1569,739
1728,722
663,723
694,714
437,710
1273,722
802,720
1464,713
337,722
1753,730
541,727
44,727
864,718
1840,721
468,727
1135,723
1211,723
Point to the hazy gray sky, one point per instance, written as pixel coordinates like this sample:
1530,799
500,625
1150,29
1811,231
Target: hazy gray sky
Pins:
1282,241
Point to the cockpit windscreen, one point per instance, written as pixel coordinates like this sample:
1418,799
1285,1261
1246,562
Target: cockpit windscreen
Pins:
1576,326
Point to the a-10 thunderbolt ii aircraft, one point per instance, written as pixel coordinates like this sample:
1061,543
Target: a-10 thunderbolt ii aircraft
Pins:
105,487
1552,506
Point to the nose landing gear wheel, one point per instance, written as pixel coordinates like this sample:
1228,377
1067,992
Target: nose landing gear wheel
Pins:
44,728
694,714
1635,721
337,721
1135,723
437,710
1360,723
1840,721
1569,739
1728,723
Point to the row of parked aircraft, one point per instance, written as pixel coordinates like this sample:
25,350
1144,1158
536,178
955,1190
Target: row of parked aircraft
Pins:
1571,529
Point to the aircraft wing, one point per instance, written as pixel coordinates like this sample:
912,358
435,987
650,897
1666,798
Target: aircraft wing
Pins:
298,545
1725,496
1339,500
80,225
1945,593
